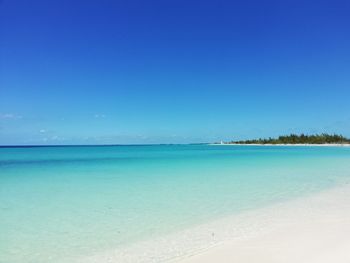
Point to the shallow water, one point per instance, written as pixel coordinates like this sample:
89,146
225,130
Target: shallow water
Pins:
57,203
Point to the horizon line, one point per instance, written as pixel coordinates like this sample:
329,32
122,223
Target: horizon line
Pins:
93,145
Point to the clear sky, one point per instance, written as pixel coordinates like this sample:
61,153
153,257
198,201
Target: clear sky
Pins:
83,72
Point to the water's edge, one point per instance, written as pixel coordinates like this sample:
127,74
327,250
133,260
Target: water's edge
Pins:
201,238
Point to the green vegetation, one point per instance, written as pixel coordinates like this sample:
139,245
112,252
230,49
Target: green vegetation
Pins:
323,138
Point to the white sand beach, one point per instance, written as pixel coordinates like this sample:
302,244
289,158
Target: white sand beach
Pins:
286,144
312,230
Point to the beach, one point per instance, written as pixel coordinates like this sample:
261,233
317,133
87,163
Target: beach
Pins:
287,144
310,229
174,131
314,229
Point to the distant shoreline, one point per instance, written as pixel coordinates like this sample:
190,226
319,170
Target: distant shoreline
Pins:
287,144
323,139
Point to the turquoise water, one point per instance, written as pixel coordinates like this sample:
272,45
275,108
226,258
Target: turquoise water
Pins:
59,203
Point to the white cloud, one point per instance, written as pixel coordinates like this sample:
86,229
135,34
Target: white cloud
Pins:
10,116
53,138
102,116
43,131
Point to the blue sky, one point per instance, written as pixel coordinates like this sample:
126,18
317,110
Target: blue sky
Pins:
86,72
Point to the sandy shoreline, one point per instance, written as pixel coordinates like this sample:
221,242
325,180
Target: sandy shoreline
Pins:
299,144
316,229
309,229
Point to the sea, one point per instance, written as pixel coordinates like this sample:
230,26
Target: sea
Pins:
61,203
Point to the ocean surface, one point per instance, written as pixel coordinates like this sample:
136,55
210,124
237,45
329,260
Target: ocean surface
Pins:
61,203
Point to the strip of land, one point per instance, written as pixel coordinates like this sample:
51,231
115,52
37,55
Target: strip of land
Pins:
287,144
294,139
